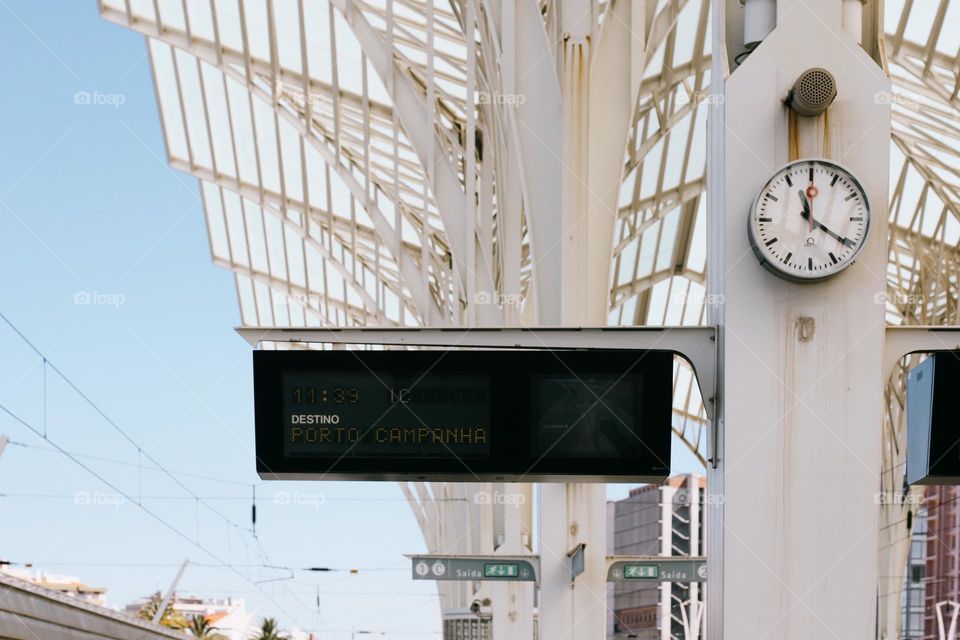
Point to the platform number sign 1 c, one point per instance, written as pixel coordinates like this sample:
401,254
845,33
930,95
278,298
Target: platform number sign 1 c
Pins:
809,221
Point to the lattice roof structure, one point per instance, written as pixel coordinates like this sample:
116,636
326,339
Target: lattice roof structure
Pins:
358,164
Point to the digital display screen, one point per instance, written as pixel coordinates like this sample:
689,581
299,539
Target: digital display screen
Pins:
470,416
355,414
586,416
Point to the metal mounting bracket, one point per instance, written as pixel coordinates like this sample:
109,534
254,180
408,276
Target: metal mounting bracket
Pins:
903,340
697,345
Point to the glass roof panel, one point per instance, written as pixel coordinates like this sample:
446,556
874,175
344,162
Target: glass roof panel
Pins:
201,20
287,18
264,123
236,228
218,121
229,25
256,241
169,100
171,14
142,9
193,107
258,40
216,226
243,135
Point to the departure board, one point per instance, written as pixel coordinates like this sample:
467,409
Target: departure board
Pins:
534,416
406,415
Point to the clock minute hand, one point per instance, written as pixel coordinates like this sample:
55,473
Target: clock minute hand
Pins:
844,241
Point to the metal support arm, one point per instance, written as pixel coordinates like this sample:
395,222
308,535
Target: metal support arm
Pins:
696,345
904,340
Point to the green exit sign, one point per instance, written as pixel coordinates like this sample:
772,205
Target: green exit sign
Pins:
641,572
501,570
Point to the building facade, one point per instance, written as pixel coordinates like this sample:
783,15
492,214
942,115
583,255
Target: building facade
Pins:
658,520
463,624
228,616
942,572
914,588
69,586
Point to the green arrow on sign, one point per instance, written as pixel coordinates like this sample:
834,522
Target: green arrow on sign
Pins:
641,571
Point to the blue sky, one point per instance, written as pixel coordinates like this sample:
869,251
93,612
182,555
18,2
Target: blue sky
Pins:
88,206
89,210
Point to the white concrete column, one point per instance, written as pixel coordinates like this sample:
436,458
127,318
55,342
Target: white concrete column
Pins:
573,514
513,602
793,550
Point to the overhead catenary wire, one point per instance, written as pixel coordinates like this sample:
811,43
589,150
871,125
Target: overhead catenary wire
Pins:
42,433
429,596
201,565
922,506
149,512
198,476
277,498
89,401
103,414
127,463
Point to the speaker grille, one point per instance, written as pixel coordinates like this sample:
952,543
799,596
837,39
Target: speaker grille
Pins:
813,92
817,86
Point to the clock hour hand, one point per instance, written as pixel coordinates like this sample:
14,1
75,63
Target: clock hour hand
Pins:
807,208
806,204
844,241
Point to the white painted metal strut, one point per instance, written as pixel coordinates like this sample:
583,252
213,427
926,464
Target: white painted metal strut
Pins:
696,345
905,340
713,542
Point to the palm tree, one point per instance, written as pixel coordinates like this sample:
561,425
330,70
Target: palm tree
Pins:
171,617
269,630
200,627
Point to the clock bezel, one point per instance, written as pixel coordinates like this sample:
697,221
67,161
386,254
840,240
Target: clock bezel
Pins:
773,267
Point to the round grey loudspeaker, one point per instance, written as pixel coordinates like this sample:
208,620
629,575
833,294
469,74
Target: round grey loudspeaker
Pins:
813,92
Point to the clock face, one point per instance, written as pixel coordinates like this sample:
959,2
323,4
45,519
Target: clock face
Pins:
809,221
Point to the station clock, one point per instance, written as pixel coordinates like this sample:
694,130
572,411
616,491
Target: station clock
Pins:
809,221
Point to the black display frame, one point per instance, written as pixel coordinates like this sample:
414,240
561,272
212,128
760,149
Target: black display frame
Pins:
512,457
933,440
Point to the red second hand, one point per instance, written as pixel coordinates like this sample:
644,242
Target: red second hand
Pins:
812,192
